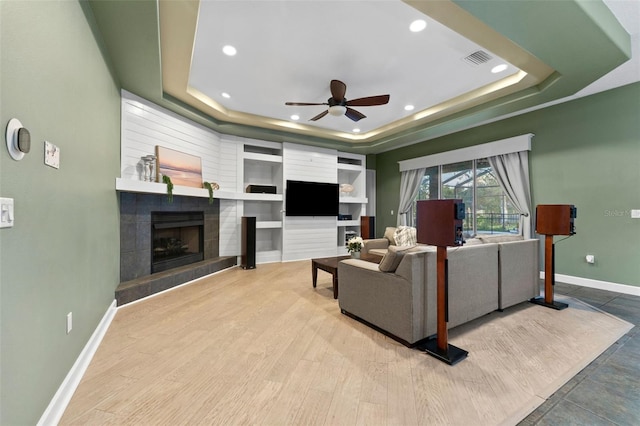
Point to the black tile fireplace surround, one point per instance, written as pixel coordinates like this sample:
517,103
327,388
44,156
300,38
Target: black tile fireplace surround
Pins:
136,278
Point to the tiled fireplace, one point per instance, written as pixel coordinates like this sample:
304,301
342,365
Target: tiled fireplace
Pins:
182,234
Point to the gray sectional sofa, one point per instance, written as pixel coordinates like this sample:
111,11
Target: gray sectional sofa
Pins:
486,275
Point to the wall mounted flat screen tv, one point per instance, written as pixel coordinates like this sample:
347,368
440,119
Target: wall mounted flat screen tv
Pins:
311,198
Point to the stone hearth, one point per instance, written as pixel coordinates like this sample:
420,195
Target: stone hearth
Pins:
136,279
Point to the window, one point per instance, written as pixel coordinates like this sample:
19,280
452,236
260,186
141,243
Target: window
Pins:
488,210
494,213
457,182
429,190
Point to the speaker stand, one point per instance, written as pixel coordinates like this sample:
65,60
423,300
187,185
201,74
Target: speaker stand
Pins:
549,277
439,347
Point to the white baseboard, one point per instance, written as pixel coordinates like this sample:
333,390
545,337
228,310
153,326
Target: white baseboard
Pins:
58,404
601,285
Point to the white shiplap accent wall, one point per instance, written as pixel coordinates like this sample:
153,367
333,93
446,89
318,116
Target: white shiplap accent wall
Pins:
145,125
229,228
308,237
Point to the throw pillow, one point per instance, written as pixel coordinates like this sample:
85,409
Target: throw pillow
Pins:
392,258
406,236
389,232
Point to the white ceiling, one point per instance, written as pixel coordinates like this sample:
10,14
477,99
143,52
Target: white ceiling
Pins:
290,50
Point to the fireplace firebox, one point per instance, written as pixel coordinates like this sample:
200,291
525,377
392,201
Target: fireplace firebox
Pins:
177,239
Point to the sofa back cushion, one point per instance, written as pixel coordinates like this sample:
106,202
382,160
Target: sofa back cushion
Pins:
406,236
392,258
499,238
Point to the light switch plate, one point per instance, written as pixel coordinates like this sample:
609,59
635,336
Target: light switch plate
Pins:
51,155
635,214
6,213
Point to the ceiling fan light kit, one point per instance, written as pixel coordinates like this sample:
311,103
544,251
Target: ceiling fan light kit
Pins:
338,105
337,110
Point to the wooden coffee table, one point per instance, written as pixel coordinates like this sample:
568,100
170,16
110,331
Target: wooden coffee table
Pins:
330,265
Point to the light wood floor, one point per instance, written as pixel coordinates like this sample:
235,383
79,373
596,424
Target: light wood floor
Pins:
263,347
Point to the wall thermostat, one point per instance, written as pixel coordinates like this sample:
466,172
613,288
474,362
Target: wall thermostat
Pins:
18,139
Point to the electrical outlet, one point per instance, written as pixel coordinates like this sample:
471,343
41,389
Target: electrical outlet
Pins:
590,258
635,214
69,322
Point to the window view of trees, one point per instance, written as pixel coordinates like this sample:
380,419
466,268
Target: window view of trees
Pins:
494,212
457,182
488,210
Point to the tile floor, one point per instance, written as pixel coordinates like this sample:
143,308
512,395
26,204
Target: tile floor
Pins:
607,391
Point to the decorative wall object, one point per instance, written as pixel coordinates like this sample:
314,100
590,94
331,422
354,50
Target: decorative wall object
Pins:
346,188
183,169
149,165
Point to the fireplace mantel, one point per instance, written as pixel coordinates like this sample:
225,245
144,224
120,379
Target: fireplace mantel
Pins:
138,186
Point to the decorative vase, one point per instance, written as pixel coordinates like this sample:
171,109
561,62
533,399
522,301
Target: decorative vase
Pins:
355,255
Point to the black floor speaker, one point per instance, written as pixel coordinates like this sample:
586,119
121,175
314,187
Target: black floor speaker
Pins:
248,252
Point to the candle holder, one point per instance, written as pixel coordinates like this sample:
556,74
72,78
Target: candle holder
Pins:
149,168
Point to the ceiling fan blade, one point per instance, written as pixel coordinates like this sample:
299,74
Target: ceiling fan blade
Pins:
338,89
354,115
369,101
303,103
319,116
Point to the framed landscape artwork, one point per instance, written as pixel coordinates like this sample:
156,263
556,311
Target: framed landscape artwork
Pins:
183,169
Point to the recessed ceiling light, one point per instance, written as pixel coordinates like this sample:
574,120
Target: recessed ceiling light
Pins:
417,26
295,117
409,107
229,50
356,130
499,68
226,95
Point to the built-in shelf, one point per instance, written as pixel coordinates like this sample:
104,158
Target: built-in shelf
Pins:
354,167
254,156
259,197
129,185
349,222
353,200
269,224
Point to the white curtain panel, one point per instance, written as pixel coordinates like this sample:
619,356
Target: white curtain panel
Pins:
409,186
512,172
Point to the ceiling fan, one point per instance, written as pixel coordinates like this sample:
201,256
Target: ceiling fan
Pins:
339,105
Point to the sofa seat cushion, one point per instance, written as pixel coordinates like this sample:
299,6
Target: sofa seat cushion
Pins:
379,252
392,258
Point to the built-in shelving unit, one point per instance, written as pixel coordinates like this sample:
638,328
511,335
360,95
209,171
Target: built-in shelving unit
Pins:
236,162
262,165
351,171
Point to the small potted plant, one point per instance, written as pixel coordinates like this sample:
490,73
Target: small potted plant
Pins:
211,186
166,179
354,246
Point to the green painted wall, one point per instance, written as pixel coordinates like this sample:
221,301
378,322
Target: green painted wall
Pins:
62,254
585,152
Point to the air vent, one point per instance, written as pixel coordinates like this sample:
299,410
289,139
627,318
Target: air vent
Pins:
479,57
